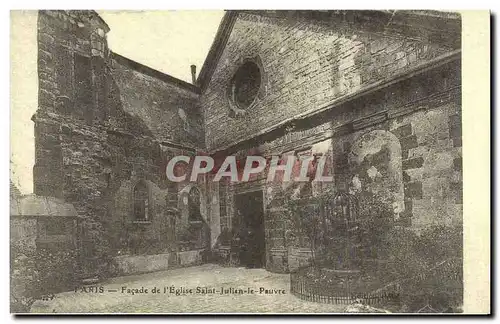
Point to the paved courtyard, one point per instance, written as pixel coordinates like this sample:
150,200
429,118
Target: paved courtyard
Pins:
189,290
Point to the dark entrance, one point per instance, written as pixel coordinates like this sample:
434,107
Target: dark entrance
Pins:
250,213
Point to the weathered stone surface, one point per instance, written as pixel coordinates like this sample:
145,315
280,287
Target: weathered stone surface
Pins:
375,160
457,142
298,257
277,260
406,177
187,258
409,142
455,126
413,190
457,164
457,190
413,163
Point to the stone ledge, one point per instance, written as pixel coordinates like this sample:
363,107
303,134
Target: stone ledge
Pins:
136,264
413,190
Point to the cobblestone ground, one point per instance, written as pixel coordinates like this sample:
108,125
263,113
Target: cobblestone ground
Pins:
211,276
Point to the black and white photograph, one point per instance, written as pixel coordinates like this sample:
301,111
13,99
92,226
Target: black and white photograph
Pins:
240,161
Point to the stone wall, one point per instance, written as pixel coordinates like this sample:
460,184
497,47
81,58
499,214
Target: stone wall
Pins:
308,64
103,124
171,112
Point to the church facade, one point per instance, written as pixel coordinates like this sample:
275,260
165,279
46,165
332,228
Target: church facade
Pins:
378,93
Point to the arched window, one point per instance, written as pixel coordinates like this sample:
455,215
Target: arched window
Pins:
194,205
141,201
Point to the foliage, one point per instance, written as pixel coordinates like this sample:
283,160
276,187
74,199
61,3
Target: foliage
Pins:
38,274
225,237
425,268
306,215
374,221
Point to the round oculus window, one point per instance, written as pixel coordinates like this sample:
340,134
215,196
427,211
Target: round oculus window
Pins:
246,84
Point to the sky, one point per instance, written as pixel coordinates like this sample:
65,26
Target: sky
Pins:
168,41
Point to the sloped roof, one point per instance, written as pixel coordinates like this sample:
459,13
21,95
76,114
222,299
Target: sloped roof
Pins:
438,22
33,205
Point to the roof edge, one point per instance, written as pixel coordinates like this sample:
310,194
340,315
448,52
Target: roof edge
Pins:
227,23
136,66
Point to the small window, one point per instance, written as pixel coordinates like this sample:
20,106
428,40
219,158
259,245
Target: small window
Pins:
63,69
245,85
306,189
83,84
141,202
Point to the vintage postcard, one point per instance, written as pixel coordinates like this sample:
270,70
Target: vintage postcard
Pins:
249,161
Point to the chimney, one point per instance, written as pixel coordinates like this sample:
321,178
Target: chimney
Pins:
193,73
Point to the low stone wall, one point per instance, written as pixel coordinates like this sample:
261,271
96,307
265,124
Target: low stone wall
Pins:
187,258
277,260
23,233
288,260
134,264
